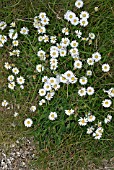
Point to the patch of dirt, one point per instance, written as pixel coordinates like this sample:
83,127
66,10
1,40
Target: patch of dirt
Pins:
106,165
18,155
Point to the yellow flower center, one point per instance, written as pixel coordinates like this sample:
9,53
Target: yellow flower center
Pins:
72,78
68,75
83,22
84,15
105,67
28,122
52,115
83,121
52,81
70,16
106,102
96,56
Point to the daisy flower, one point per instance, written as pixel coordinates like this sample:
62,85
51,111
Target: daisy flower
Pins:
10,78
91,118
90,130
53,48
42,15
16,114
49,96
75,21
7,65
15,70
105,67
65,42
99,124
85,39
45,21
106,103
74,44
3,25
69,15
79,3
24,31
33,108
15,53
63,52
78,33
53,39
90,61
82,92
41,54
41,102
100,130
63,79
92,36
68,74
90,90
21,86
77,64
28,122
12,24
108,119
73,79
83,80
40,38
15,43
54,53
36,19
69,112
11,85
4,103
52,116
47,86
97,135
96,56
84,15
111,92
65,31
13,34
56,87
3,38
82,121
45,79
42,92
39,68
89,73
53,67
83,22
53,61
74,52
20,80
46,38
52,81
37,24
41,30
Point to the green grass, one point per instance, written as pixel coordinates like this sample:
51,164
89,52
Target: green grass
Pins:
62,144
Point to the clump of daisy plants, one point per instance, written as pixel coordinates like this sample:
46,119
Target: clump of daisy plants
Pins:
58,52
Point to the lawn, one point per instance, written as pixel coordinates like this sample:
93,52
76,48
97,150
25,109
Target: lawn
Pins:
61,143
